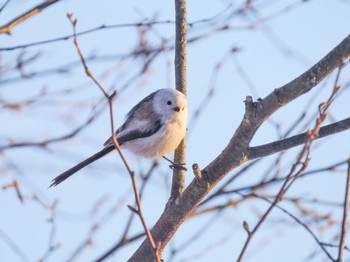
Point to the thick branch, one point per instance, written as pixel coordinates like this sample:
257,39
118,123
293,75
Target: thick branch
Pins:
235,152
6,29
290,142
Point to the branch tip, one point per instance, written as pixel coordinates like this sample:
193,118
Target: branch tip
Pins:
132,209
113,95
246,227
197,172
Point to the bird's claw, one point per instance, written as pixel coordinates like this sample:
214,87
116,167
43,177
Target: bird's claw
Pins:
181,166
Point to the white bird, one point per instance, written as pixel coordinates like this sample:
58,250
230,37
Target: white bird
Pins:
153,128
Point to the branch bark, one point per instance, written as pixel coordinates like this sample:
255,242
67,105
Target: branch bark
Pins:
293,141
237,150
180,79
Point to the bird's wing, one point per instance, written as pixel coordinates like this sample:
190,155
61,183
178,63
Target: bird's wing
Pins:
135,134
141,121
129,135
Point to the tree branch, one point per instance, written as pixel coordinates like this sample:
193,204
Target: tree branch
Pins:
298,221
345,216
14,247
110,98
180,79
237,149
4,5
44,143
298,167
6,29
293,141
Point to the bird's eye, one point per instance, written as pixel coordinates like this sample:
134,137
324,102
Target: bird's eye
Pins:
169,102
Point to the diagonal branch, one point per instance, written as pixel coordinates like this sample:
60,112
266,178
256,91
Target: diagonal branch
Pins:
6,29
298,221
4,5
295,172
110,98
237,149
14,247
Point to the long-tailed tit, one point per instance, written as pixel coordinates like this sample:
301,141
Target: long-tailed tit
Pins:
153,128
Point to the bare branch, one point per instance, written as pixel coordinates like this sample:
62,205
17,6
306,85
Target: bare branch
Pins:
302,161
345,216
112,26
293,141
6,29
235,152
180,79
16,250
272,181
15,185
52,246
305,226
124,239
4,5
116,144
46,142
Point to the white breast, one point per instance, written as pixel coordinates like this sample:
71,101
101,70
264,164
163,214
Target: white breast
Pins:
161,143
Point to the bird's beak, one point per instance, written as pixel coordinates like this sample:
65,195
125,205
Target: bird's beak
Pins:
177,109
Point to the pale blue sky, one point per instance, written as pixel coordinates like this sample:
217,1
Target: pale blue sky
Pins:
299,38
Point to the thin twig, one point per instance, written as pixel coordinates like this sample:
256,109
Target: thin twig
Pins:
303,160
60,138
116,144
6,29
52,246
296,219
345,216
112,26
98,28
233,155
4,5
278,198
124,239
278,179
13,246
15,186
256,153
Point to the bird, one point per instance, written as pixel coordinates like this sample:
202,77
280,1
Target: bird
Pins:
153,128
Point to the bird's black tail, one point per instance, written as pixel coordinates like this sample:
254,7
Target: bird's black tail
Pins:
57,180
